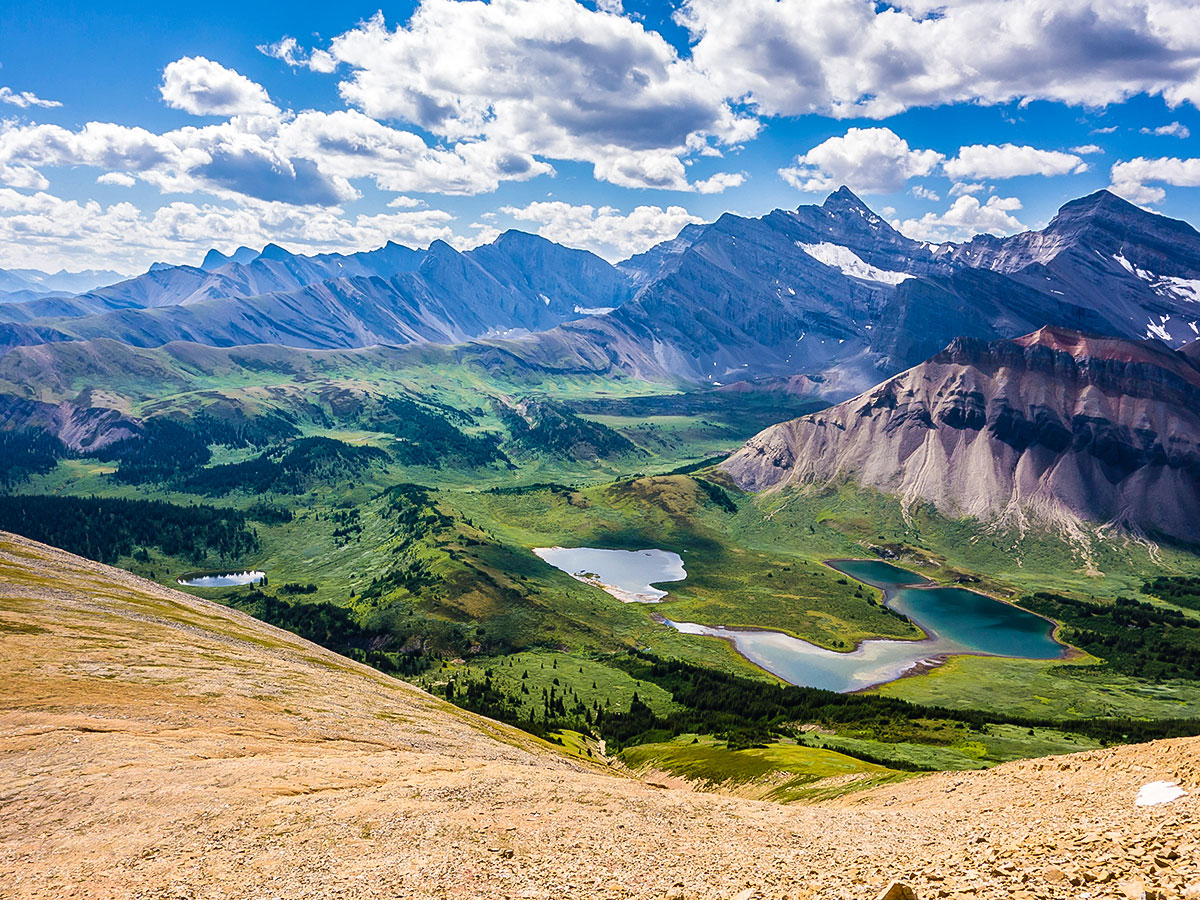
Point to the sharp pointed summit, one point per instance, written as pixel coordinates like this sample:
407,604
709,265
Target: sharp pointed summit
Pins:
844,199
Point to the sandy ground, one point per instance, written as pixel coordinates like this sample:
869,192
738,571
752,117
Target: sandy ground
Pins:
153,745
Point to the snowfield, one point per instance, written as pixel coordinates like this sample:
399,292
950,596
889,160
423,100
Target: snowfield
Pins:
850,263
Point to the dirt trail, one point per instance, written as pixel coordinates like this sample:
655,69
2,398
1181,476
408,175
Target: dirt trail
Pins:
153,745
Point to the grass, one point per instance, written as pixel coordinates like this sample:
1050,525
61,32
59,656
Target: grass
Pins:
965,749
755,565
1046,688
758,567
728,583
541,670
781,771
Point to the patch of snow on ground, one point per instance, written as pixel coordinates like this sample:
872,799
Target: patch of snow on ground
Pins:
594,310
1184,288
849,263
545,299
1158,331
1157,793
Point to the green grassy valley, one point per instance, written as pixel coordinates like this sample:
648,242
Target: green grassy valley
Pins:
394,499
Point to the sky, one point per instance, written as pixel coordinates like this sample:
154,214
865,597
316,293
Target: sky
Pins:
132,133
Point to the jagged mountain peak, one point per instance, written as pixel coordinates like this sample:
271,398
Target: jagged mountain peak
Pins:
845,218
1100,222
844,199
519,238
1107,220
214,259
515,244
277,253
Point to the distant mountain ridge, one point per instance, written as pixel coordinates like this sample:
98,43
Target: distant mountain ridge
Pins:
27,283
832,291
395,294
1055,428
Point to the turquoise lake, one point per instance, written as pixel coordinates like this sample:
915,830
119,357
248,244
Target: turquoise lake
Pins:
955,620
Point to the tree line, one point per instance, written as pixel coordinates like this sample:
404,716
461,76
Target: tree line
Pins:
106,529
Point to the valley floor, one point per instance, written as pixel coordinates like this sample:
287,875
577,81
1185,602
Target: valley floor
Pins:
156,745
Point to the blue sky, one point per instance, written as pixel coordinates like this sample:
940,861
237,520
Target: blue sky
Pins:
131,133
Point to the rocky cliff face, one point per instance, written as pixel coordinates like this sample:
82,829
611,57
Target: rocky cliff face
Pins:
1139,272
77,424
1055,427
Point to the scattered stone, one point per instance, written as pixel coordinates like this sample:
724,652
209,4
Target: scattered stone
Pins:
897,890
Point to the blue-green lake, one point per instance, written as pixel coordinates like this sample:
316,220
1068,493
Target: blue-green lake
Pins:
955,620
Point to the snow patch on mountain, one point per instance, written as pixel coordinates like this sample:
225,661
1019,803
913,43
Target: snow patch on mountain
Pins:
850,263
1181,288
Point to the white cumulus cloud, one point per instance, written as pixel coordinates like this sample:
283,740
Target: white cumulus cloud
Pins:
960,188
1174,129
24,99
965,217
867,160
206,88
307,159
1137,180
548,78
1010,161
120,179
605,230
288,50
851,58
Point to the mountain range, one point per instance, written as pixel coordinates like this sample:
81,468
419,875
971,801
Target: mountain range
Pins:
393,295
1056,427
25,284
1090,417
832,291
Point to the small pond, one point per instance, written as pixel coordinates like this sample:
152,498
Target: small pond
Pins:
629,575
232,579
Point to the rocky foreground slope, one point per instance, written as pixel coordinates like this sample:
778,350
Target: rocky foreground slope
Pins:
154,745
1055,427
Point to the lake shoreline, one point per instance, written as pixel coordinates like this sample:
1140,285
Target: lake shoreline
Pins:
630,576
942,649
